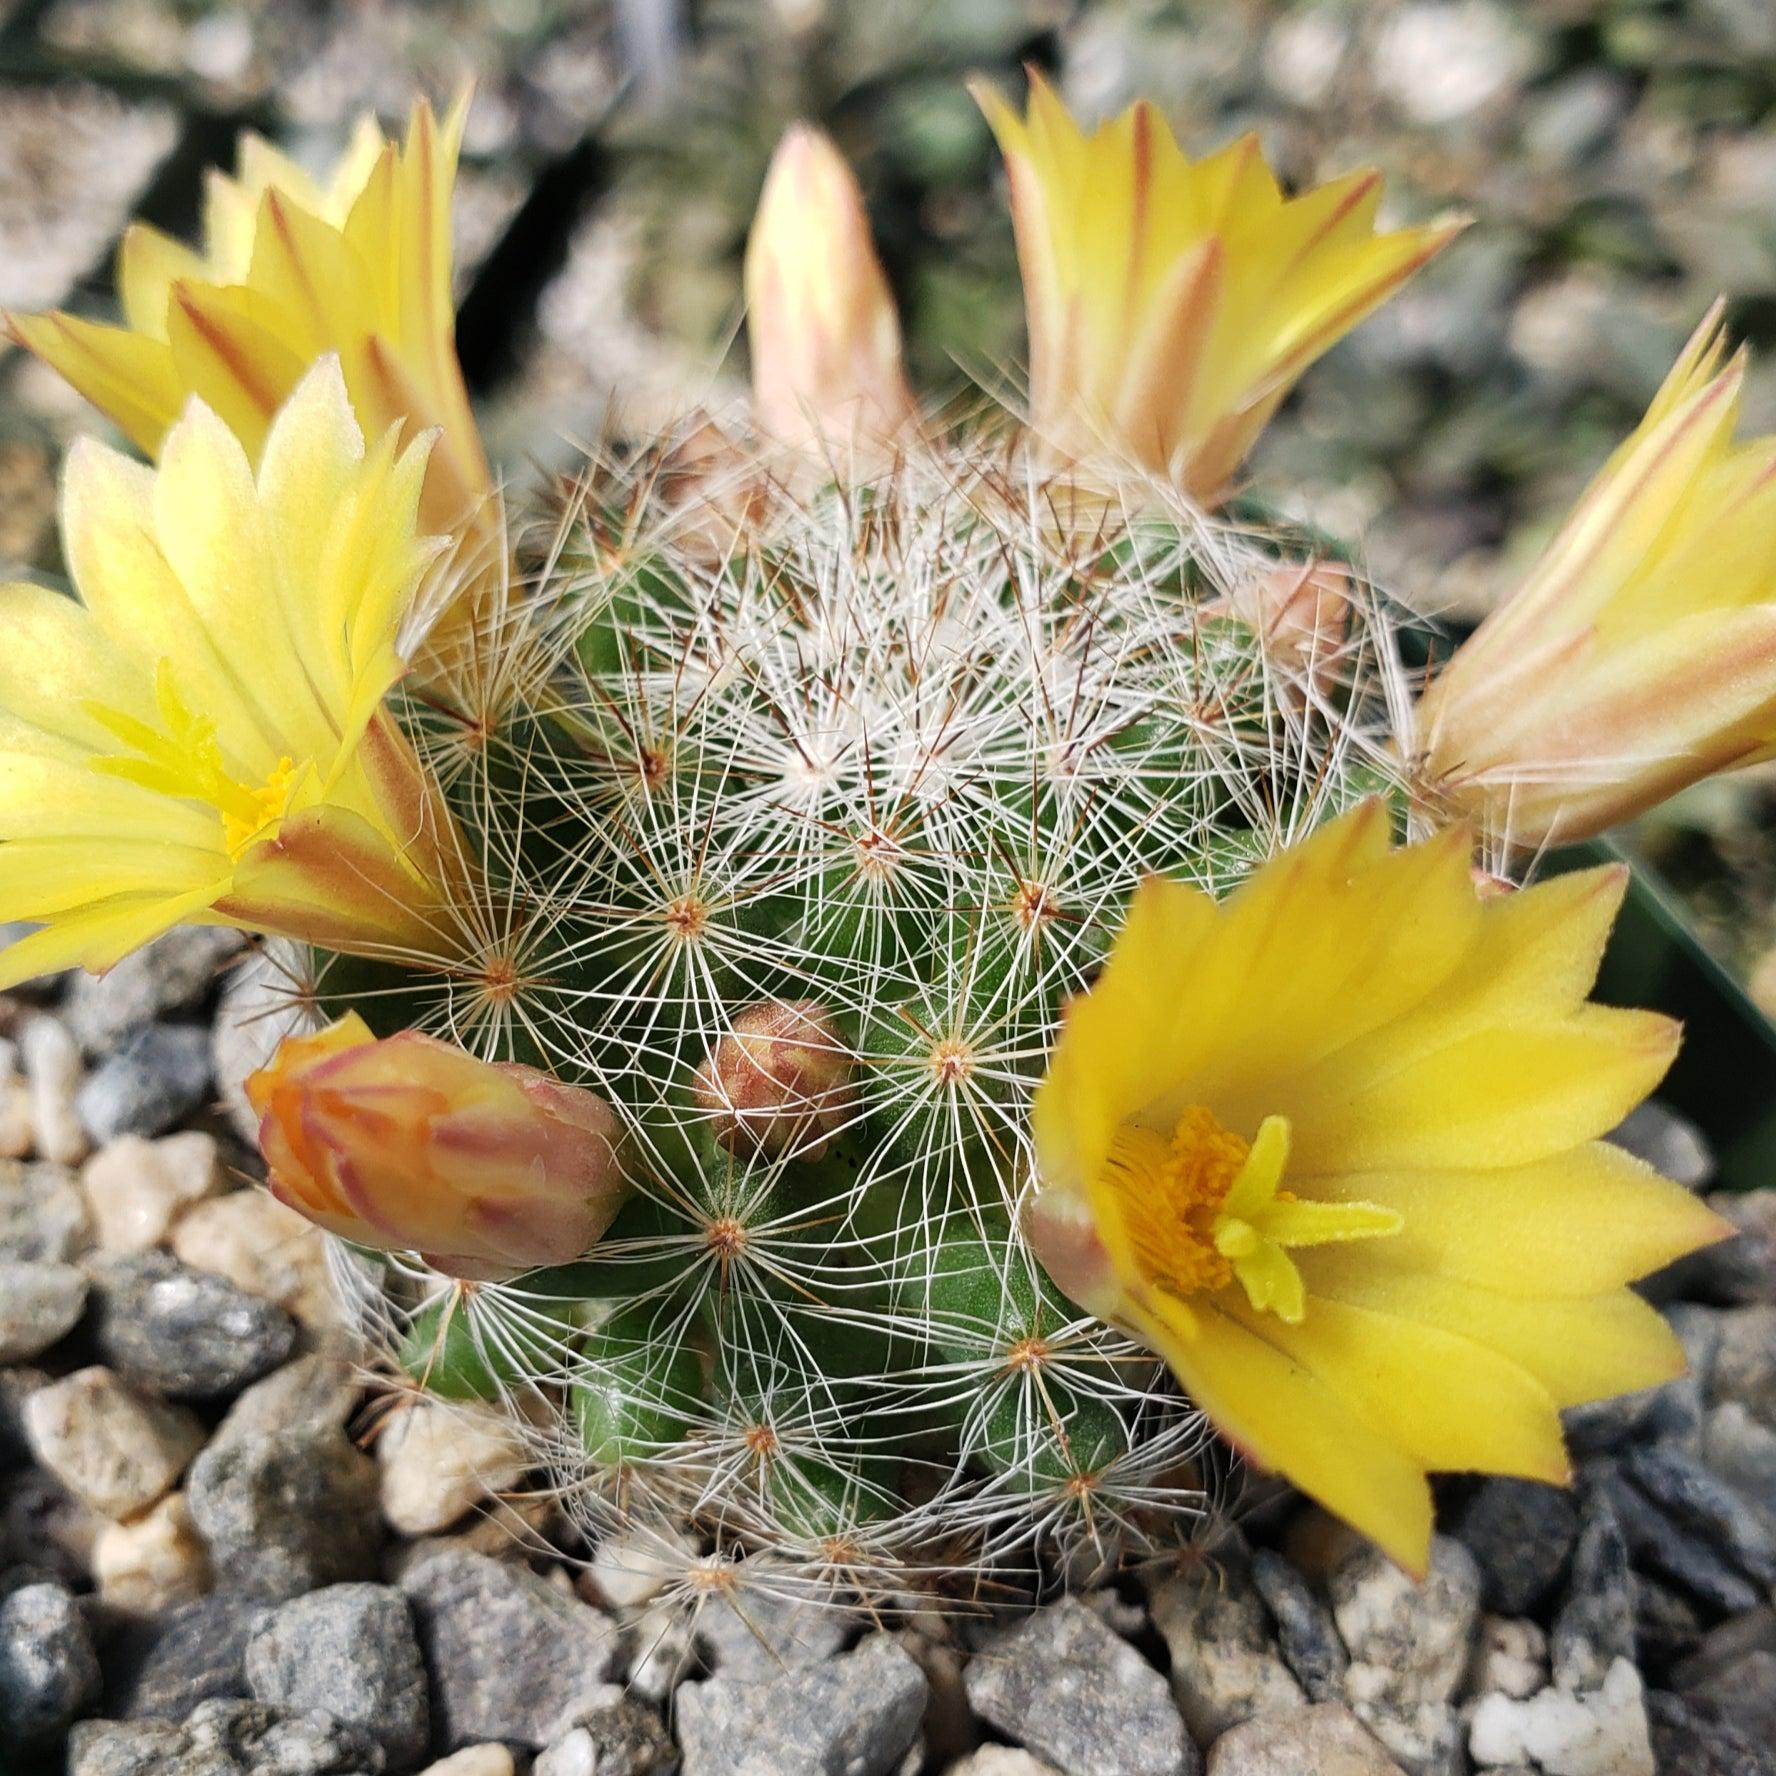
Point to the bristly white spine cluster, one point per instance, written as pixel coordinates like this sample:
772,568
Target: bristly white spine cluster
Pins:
901,752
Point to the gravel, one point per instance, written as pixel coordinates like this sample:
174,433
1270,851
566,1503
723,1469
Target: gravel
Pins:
184,1333
157,1077
285,1512
348,1651
854,1715
49,1673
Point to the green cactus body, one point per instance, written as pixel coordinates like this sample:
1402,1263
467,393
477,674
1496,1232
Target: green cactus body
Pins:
901,760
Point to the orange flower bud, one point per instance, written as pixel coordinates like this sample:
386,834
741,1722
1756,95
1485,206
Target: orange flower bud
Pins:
825,340
1300,612
779,1081
484,1168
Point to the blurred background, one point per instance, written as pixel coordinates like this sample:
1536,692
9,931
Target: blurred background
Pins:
1619,157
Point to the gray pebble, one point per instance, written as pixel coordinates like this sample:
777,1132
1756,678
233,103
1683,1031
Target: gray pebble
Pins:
317,1392
1691,1739
1743,1453
1595,1625
1522,1535
1671,1552
157,1078
1067,1688
43,1214
1699,1501
1307,1636
855,1715
184,1333
1668,1142
287,1512
161,1667
224,1738
511,1658
350,1650
49,1673
40,1304
174,972
1745,1365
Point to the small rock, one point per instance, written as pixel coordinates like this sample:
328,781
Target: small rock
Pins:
316,1394
1690,1740
138,1188
108,1445
439,1459
510,1657
161,1667
225,1738
1325,1740
634,1566
1225,1665
1306,1634
1067,1688
1707,1507
1522,1535
1745,1367
264,1249
52,1069
287,1512
153,1563
1666,1549
1666,1141
156,1079
174,972
1001,1760
43,1218
49,1673
855,1715
623,1738
758,1629
474,1760
1510,1657
17,1135
1725,1645
182,1332
1742,1452
661,1651
1595,1626
1599,1732
1409,1645
349,1650
40,1304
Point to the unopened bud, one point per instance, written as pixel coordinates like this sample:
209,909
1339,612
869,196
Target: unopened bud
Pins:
826,369
1300,612
779,1082
484,1168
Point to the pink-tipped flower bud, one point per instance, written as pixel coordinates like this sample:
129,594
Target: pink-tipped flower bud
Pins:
486,1169
779,1082
826,368
1300,612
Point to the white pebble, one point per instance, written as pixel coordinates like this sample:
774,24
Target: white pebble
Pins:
107,1445
473,1760
18,1132
1600,1732
1510,1657
634,1566
54,1071
260,1246
153,1563
138,1188
439,1460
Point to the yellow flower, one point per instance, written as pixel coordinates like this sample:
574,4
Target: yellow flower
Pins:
826,371
202,736
291,270
1640,653
409,1144
1331,1149
1173,303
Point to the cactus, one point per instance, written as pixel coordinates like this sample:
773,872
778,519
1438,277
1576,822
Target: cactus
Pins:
793,849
